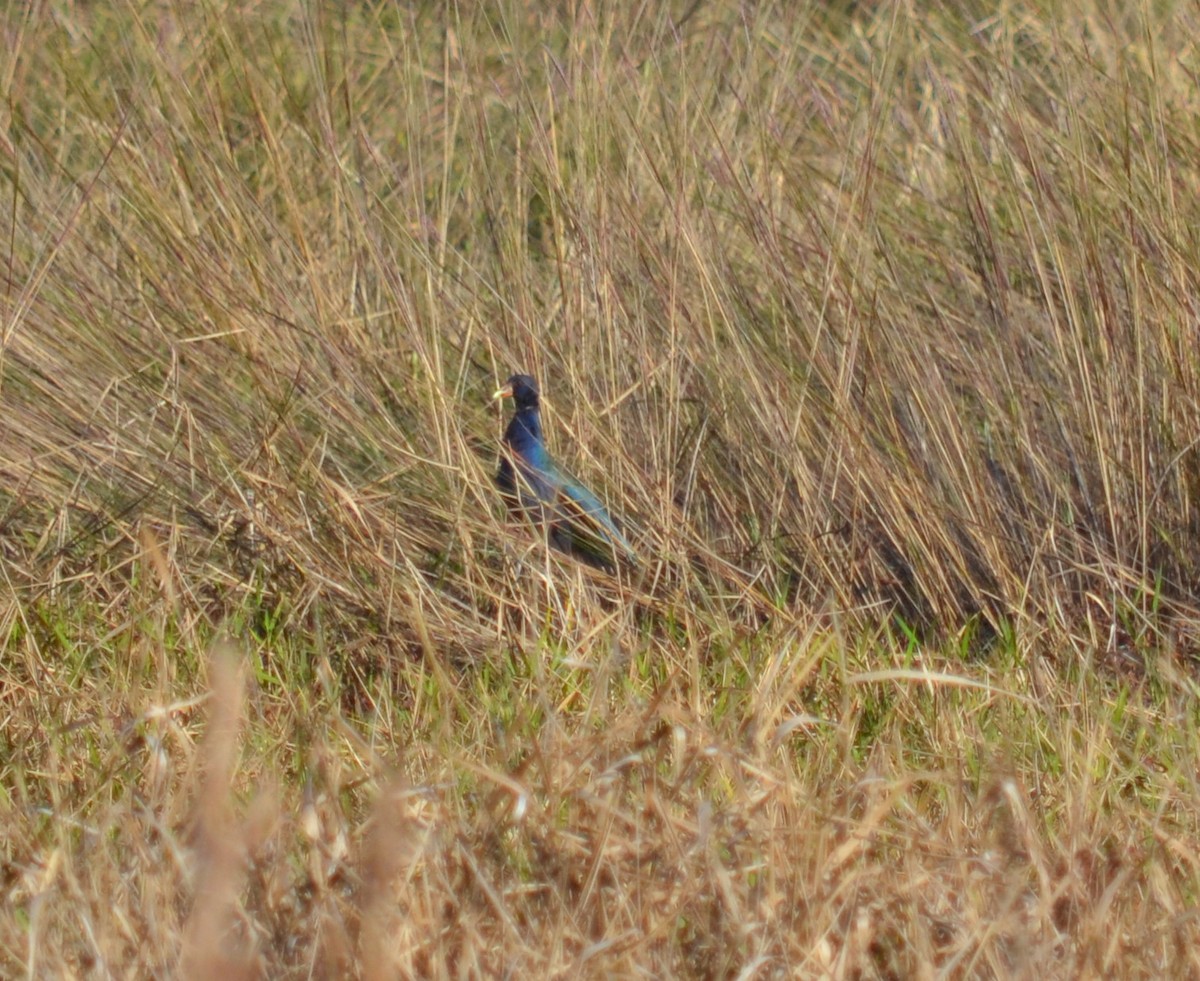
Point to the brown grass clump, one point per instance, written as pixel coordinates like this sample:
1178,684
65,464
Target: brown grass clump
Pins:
877,325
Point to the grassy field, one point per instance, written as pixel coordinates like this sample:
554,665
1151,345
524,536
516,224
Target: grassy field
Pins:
876,323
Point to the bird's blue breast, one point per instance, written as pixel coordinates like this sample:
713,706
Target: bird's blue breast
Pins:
528,448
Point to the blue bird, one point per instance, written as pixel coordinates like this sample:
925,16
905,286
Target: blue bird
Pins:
533,484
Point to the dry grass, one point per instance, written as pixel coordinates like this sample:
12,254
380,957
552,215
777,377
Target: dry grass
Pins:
878,325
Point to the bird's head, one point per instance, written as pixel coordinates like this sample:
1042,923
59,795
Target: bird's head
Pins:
522,389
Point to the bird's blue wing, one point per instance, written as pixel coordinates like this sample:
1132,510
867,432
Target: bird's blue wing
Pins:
588,525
